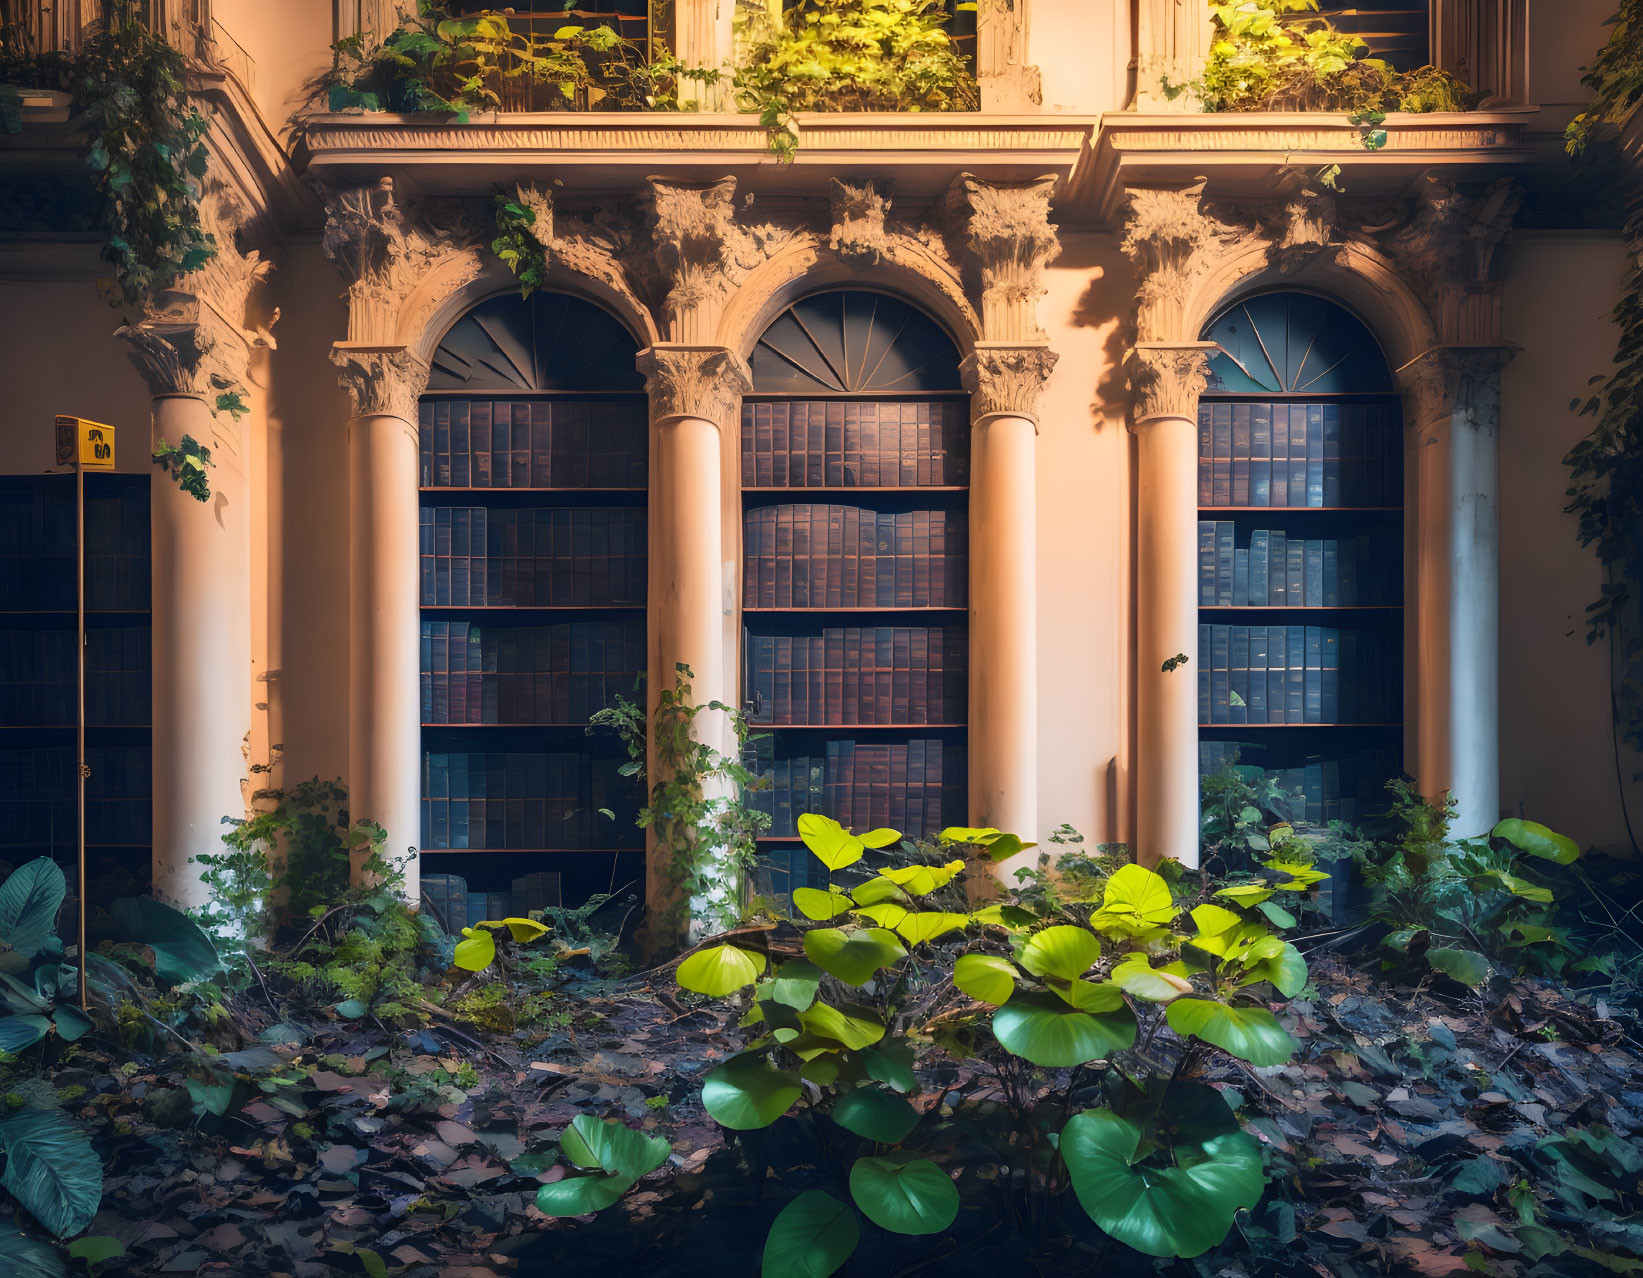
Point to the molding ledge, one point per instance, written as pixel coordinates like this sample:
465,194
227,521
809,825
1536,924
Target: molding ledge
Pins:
1243,153
605,150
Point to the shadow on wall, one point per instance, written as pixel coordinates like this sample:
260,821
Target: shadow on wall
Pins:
307,526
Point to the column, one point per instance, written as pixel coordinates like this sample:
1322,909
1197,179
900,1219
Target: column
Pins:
1005,383
201,612
1452,632
1167,380
384,618
695,396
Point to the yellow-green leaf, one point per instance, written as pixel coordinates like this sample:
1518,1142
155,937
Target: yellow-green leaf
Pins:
476,951
720,970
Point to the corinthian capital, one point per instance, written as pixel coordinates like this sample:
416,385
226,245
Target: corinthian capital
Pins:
381,380
705,382
1006,380
1172,242
197,337
1455,385
1166,381
1006,226
384,249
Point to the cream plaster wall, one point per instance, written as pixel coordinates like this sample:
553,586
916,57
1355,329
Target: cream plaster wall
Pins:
1556,760
289,40
1082,51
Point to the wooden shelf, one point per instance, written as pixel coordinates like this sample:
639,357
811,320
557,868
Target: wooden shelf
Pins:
1294,510
863,608
70,612
538,492
1300,607
534,727
634,607
1267,727
855,727
523,851
864,489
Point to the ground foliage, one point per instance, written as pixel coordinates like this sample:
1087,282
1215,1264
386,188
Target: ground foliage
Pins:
255,1123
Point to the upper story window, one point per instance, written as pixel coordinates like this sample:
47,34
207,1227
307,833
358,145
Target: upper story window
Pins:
1398,31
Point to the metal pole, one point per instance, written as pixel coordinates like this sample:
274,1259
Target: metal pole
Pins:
83,769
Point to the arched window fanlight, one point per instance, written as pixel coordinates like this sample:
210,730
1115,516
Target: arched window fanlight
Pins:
546,342
1294,344
853,341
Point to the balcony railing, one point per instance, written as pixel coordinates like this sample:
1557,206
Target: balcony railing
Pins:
32,28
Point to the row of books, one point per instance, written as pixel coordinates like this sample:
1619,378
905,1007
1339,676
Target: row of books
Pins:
37,570
39,797
826,556
534,443
912,786
844,444
447,900
516,799
1297,674
566,556
527,674
38,676
854,675
1295,454
1348,785
1276,569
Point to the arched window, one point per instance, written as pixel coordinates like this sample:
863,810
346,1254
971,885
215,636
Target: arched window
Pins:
534,436
855,474
1300,541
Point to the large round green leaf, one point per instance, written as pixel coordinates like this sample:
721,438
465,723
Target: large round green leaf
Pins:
29,900
182,952
611,1146
985,977
1179,1210
579,1195
1139,979
51,1169
796,984
1249,1033
904,1196
834,846
891,1061
853,957
1041,1028
747,1092
875,1114
848,1025
1087,996
1063,951
476,951
1136,900
811,1238
821,906
1286,970
720,970
1537,840
1466,966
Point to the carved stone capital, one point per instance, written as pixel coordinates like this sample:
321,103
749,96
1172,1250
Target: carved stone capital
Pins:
858,233
198,336
1455,386
1445,248
380,381
1007,380
384,249
705,382
1166,381
697,246
1006,227
1173,242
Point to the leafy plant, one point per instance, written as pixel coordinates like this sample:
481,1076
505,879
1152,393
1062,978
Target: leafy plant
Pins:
44,1003
850,55
186,463
519,241
610,1157
1279,55
705,834
1615,79
477,951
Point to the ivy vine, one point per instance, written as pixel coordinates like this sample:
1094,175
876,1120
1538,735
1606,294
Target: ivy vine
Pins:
706,841
1606,467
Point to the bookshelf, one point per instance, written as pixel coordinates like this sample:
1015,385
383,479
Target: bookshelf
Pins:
855,470
534,441
38,798
1300,554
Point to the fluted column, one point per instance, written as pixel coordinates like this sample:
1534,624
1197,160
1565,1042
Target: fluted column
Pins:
1005,385
384,618
695,394
201,622
1452,632
1167,381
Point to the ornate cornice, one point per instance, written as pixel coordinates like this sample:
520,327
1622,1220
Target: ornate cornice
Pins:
198,336
705,382
1007,380
386,248
380,380
1166,381
1455,386
858,232
1006,228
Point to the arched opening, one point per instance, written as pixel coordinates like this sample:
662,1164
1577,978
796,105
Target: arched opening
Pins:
855,487
534,443
1300,546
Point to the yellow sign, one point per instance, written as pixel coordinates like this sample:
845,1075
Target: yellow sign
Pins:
92,442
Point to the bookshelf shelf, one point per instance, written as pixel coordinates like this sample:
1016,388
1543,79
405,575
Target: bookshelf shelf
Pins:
846,611
856,727
530,608
512,851
1282,608
537,490
1291,727
1299,510
864,490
